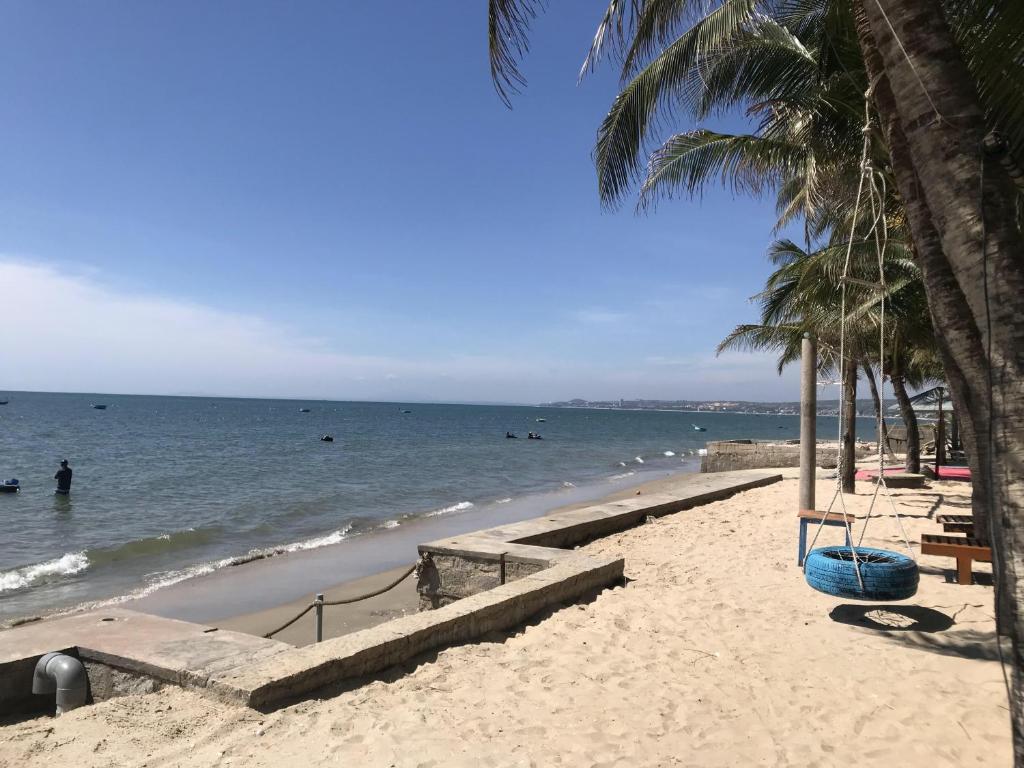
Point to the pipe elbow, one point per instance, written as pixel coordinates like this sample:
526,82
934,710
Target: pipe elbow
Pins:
63,675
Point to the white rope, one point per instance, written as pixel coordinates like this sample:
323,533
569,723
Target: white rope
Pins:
877,199
881,243
842,357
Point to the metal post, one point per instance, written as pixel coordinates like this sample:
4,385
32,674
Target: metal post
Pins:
319,602
808,419
501,564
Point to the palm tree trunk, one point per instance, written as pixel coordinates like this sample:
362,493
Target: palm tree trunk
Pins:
899,387
960,208
848,441
883,431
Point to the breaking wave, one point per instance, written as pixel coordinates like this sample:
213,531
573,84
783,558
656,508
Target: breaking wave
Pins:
66,565
462,505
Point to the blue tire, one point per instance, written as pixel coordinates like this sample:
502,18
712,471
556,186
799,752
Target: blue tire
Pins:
886,575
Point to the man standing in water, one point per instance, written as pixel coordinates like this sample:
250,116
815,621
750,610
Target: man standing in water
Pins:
63,478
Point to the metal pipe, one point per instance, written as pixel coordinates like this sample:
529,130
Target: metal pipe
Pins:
808,419
319,602
63,675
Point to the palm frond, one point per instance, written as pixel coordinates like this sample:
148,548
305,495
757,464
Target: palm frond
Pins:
687,161
508,26
623,131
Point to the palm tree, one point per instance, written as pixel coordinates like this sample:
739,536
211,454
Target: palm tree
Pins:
803,296
947,82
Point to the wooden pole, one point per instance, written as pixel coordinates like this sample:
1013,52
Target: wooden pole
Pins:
808,419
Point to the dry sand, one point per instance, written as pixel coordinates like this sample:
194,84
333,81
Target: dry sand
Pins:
715,653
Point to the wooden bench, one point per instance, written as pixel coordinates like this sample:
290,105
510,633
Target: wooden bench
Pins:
956,523
964,549
806,516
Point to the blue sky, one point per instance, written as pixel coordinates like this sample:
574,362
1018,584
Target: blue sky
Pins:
326,199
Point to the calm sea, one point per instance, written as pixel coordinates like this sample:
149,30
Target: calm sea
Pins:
171,488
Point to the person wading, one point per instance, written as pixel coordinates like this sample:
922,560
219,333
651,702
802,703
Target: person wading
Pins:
63,478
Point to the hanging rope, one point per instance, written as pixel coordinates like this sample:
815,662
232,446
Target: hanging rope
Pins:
880,231
842,350
881,243
346,601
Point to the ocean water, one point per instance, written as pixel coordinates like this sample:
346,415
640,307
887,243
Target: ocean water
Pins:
172,488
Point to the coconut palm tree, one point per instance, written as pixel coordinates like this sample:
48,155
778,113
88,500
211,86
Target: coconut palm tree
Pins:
803,296
947,82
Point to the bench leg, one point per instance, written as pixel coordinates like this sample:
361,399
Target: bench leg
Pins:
802,545
963,571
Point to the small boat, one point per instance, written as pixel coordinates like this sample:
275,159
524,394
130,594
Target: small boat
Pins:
4,402
698,429
326,439
406,411
10,486
509,436
304,410
99,406
541,421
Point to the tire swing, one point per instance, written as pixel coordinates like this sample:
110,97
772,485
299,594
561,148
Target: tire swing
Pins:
853,571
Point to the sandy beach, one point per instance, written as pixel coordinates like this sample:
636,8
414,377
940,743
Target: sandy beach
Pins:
714,653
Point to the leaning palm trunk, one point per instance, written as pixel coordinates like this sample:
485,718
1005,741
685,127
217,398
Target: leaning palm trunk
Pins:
848,439
899,388
960,208
883,433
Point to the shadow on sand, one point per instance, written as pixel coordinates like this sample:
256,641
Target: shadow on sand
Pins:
918,627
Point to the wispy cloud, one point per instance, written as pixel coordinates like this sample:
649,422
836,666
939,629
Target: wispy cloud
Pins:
599,316
73,332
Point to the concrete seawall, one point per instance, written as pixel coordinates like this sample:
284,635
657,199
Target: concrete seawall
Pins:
733,455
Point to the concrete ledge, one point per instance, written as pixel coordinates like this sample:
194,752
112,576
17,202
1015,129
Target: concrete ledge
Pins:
728,455
375,649
465,565
128,645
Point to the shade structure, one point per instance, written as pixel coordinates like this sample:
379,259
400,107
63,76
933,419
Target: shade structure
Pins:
930,401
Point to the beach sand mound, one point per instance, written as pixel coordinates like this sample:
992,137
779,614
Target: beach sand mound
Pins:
715,653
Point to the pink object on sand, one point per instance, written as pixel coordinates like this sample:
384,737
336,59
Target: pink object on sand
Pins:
954,473
871,474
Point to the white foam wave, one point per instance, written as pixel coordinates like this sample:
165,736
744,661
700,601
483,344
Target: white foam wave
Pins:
638,460
702,452
164,579
462,505
567,484
320,541
669,453
390,524
623,475
66,565
622,463
504,501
